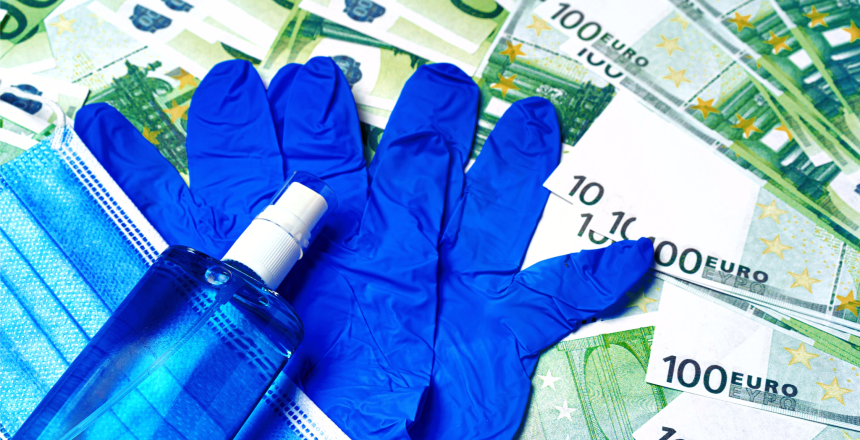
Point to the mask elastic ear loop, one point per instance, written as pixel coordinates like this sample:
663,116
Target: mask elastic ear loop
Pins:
59,123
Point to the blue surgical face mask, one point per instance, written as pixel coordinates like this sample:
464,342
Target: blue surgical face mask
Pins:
72,245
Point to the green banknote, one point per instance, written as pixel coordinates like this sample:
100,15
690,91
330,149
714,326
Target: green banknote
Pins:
702,348
29,117
150,91
591,385
22,20
594,388
30,55
823,338
375,71
710,222
195,42
520,66
780,52
712,96
828,36
701,418
12,144
466,25
457,32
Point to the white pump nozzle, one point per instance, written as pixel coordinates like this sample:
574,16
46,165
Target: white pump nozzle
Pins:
279,235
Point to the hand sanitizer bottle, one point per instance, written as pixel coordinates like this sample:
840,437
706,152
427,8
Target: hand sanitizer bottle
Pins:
197,342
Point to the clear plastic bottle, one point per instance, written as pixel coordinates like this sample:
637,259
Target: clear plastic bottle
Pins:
195,345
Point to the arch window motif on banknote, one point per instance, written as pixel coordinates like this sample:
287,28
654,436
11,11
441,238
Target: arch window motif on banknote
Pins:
363,10
147,20
178,5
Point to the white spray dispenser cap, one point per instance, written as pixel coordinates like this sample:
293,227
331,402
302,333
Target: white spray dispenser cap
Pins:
279,235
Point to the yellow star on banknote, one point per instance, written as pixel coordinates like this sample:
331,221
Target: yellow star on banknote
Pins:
706,107
775,247
784,129
803,280
854,31
177,111
816,18
538,25
677,76
757,61
834,391
848,302
680,20
505,84
151,135
640,300
778,43
800,356
512,50
185,79
64,25
746,125
741,21
770,211
671,45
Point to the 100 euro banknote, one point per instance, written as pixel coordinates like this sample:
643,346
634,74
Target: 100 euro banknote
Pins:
193,38
450,32
29,116
711,223
701,418
704,349
755,34
714,98
147,88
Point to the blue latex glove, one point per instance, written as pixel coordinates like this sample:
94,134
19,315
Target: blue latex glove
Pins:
493,319
366,290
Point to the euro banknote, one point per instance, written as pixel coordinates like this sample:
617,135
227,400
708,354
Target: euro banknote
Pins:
711,224
22,20
518,67
188,39
758,38
29,117
821,337
375,70
744,124
584,388
148,89
30,55
704,349
701,418
450,32
13,144
714,66
827,34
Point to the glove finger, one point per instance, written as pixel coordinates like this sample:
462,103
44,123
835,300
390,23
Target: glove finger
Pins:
278,94
149,180
417,171
504,195
321,135
553,295
234,160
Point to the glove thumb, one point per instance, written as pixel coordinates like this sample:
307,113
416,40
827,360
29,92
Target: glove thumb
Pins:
549,298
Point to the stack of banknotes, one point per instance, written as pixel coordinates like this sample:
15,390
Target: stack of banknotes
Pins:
724,130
